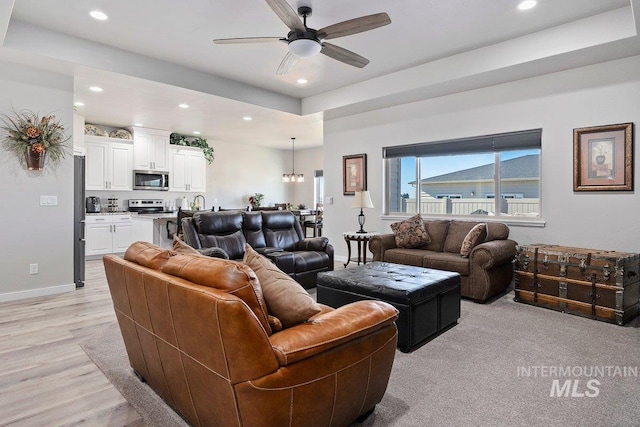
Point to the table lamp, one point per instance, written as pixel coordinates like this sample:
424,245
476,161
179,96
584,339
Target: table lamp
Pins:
362,200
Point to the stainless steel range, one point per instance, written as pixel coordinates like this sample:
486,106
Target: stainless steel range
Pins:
146,206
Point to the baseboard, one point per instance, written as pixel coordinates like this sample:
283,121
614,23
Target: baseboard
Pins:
40,292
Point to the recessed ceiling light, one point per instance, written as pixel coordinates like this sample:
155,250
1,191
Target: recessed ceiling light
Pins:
99,15
78,104
247,118
302,81
527,4
96,89
196,132
138,124
183,105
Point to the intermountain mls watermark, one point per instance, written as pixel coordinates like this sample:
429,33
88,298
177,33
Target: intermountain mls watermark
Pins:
577,381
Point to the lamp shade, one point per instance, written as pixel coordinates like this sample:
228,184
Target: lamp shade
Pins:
362,200
304,48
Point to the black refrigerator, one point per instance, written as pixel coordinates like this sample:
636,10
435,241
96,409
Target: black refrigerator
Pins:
78,221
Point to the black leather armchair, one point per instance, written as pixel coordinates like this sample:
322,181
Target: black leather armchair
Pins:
276,234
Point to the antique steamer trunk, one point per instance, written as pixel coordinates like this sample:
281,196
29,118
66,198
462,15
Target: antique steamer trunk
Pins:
603,285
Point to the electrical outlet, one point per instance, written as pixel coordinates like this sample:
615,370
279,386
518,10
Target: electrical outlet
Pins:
33,268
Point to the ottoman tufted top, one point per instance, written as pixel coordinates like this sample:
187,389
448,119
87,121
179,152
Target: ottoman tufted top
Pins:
397,283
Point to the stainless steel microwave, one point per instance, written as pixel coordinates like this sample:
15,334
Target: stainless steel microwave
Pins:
150,180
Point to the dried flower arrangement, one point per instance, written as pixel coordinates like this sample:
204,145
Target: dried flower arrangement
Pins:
29,136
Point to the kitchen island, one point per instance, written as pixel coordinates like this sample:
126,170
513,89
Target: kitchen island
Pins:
153,228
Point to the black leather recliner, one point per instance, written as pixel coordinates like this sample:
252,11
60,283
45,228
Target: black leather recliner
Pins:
275,234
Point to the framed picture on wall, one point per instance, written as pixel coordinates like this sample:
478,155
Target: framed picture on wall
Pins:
603,158
354,174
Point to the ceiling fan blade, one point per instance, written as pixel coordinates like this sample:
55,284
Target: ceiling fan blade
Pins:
287,15
241,40
343,55
354,26
287,64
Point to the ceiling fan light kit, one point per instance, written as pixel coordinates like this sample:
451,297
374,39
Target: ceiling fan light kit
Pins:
305,48
305,42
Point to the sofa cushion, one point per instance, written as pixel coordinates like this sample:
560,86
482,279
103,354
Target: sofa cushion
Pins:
232,277
458,230
180,247
497,231
232,244
437,230
285,298
147,254
446,261
309,260
411,232
404,256
474,237
252,229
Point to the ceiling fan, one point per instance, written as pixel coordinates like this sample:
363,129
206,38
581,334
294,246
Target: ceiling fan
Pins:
305,42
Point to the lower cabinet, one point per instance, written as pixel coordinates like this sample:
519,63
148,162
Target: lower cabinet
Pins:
107,234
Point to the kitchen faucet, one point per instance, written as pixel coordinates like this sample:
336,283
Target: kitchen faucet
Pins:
195,202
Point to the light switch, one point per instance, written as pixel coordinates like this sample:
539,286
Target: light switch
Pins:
328,200
48,200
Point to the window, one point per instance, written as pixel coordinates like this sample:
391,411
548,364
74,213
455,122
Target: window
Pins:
462,177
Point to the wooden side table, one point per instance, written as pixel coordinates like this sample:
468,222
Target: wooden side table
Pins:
361,239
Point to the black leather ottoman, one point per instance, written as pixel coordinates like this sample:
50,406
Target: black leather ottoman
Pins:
428,299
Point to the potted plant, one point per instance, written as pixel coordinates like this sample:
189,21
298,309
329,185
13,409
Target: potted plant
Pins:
177,139
31,138
256,200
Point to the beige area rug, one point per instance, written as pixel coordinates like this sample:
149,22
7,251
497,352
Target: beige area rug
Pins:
474,374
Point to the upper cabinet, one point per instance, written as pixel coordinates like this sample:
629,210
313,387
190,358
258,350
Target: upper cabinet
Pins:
109,162
151,149
188,170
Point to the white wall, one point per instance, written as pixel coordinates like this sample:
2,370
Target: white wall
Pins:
31,233
239,171
307,161
601,94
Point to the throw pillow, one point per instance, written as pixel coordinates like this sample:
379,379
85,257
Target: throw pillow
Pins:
474,237
411,232
285,298
180,247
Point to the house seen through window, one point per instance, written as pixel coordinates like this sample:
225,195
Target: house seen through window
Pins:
462,177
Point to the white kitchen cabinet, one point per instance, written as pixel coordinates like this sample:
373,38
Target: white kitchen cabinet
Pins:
109,164
107,234
188,170
150,149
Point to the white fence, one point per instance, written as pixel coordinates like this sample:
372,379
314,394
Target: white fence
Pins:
471,206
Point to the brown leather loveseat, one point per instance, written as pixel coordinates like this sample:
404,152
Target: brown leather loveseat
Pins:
198,331
276,234
486,272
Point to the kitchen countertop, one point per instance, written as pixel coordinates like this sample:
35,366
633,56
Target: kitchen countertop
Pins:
159,215
109,213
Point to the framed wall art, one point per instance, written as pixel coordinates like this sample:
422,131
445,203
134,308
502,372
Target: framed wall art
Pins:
354,173
603,158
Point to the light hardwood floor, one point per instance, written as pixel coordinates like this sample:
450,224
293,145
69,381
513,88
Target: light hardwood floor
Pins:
46,379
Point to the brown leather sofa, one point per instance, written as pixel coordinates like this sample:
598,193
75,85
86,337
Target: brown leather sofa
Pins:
275,234
200,337
487,271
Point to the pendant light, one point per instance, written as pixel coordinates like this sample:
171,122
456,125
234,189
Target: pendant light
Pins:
293,177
